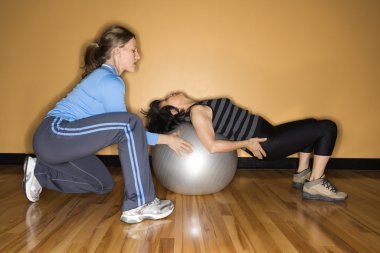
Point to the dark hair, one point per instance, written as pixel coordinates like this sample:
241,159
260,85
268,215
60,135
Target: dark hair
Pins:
161,120
97,53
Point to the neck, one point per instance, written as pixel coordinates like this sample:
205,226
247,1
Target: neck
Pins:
114,65
189,102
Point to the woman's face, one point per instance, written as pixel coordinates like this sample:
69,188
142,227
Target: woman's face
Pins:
127,57
174,99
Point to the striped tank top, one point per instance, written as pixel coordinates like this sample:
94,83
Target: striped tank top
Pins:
229,120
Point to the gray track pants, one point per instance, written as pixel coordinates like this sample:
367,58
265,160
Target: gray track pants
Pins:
66,159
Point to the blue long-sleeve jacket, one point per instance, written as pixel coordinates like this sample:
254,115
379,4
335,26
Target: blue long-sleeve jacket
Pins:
102,91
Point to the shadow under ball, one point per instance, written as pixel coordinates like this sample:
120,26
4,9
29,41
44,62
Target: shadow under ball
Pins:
197,173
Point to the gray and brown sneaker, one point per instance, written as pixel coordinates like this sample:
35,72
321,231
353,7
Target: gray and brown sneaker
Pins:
322,189
300,177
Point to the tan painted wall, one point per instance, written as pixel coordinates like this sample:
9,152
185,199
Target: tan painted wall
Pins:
282,59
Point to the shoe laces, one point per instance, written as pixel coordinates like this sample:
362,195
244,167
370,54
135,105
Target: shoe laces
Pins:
156,201
326,183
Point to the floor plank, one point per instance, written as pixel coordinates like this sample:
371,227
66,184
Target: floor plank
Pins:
257,212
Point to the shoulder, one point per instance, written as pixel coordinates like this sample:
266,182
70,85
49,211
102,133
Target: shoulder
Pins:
111,79
111,83
104,76
200,111
199,108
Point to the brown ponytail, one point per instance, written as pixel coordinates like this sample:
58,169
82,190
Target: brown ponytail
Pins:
91,59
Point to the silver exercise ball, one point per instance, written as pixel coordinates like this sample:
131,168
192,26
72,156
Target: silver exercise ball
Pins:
197,173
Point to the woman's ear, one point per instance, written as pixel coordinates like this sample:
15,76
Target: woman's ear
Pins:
115,52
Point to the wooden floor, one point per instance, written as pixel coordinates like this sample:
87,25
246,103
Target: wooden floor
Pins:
257,212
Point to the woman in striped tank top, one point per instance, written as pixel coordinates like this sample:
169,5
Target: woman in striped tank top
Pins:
255,135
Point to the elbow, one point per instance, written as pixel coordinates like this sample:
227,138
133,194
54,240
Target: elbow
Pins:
212,149
211,146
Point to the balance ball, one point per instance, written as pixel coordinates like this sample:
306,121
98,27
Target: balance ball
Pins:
197,173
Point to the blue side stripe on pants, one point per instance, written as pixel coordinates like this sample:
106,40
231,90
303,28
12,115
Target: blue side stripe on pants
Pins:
134,169
135,158
57,129
89,127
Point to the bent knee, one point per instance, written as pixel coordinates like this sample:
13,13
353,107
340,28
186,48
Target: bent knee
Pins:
310,120
133,120
106,188
329,126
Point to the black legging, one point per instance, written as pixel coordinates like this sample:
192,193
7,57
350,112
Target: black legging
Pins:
308,135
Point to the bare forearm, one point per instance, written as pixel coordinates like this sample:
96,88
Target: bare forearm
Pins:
219,146
175,142
163,139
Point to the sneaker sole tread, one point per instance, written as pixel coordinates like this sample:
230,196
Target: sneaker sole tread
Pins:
25,184
139,218
297,185
306,195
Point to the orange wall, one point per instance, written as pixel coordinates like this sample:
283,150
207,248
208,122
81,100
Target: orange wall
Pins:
282,59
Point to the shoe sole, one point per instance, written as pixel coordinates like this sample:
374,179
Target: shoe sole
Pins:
306,195
297,185
140,218
25,184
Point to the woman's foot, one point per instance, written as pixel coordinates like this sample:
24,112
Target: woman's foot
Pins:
32,187
300,177
157,209
322,189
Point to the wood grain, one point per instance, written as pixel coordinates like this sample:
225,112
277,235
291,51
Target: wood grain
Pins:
257,212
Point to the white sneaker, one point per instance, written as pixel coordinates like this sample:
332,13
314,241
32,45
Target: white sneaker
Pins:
157,209
30,183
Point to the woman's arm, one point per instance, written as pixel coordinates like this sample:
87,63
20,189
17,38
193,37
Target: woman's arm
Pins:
175,142
201,117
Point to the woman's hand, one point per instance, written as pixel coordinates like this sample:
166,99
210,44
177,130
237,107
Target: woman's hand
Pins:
255,147
178,144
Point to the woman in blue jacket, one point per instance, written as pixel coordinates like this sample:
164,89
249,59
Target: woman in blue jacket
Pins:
93,116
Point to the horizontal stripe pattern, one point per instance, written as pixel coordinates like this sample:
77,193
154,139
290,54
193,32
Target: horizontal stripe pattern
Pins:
231,121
